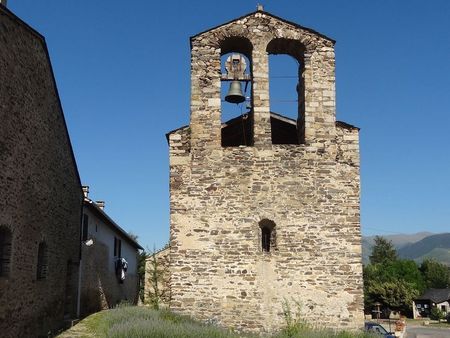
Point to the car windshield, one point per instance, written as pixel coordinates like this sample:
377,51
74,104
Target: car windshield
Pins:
377,328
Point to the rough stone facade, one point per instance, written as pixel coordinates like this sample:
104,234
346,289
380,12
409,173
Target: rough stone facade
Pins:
220,197
157,279
40,191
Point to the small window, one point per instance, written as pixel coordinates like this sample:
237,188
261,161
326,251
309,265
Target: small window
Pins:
42,265
85,227
117,247
268,235
5,251
266,232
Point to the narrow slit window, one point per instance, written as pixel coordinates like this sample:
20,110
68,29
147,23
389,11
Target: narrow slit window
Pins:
117,247
268,235
266,232
42,265
5,251
85,227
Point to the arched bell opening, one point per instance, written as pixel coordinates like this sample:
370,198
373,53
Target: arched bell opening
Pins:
287,91
236,92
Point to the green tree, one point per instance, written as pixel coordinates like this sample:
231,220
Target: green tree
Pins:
396,294
391,281
382,251
158,278
436,275
141,257
382,279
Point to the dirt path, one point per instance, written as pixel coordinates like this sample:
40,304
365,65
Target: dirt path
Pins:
79,330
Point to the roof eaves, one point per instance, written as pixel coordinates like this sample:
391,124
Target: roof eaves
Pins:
436,295
174,131
111,223
283,118
346,125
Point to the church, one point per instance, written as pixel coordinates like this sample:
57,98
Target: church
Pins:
264,208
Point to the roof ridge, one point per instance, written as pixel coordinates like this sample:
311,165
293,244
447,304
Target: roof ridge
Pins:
273,16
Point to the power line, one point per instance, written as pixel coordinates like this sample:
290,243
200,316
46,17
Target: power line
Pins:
283,77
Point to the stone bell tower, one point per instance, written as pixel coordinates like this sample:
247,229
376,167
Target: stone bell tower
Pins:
264,208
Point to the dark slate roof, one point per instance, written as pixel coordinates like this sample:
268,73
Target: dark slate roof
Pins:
113,225
436,295
346,125
273,16
272,114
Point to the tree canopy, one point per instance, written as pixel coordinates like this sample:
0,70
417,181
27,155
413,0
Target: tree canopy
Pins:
382,251
436,275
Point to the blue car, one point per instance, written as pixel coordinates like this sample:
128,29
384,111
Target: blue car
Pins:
373,327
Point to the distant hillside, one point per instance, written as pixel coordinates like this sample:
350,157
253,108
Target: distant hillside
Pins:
398,241
434,246
416,246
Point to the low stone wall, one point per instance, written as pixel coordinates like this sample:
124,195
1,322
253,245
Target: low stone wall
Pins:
157,284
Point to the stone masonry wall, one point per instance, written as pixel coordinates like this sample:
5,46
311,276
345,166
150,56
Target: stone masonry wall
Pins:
310,191
157,285
40,193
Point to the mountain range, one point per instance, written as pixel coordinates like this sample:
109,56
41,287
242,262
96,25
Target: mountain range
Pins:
416,246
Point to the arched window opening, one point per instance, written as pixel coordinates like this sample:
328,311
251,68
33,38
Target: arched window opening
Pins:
287,93
236,92
42,264
5,251
268,235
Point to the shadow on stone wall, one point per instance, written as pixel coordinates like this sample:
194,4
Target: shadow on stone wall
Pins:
100,287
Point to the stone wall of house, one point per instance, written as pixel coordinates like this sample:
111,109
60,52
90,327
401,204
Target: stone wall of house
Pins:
100,286
157,279
310,191
40,193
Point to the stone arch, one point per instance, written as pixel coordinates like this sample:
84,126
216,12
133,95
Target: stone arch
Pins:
236,130
295,49
239,44
268,235
5,251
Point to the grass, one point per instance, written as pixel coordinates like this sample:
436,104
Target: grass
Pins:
431,323
134,322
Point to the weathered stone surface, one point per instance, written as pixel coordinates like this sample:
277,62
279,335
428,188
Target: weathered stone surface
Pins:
40,192
157,278
219,195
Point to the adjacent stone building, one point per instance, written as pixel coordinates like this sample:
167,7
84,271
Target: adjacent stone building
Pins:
40,190
104,247
265,209
157,279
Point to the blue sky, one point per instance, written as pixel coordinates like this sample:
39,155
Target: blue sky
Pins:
122,70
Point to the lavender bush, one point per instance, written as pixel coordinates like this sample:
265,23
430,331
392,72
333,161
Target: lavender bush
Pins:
134,322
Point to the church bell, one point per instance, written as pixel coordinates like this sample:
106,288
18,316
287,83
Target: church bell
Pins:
235,94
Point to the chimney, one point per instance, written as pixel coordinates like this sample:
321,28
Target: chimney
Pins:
84,187
100,204
3,2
